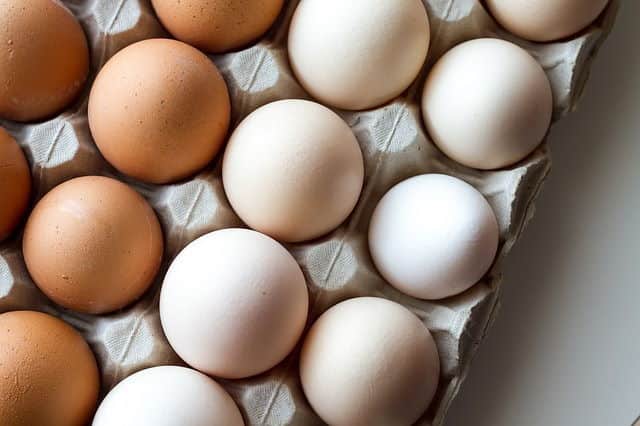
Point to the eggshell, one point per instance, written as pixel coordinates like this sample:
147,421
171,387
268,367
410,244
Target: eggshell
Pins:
368,362
358,54
48,375
293,169
168,396
15,184
217,25
44,59
93,244
433,236
544,20
234,303
159,110
487,104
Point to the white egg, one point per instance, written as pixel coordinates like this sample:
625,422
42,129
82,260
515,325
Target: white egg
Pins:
487,104
233,303
433,236
358,54
168,396
544,20
369,362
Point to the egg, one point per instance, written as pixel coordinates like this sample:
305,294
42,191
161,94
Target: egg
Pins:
487,104
93,244
233,303
168,396
293,169
217,25
159,111
543,20
433,236
358,54
15,184
48,375
44,59
367,362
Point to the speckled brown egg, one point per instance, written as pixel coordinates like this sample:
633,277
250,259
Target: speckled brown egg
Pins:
217,25
15,184
93,244
159,110
48,375
44,58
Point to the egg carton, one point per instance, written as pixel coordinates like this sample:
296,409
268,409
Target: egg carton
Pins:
338,266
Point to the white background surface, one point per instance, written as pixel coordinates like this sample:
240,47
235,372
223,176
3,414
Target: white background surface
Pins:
565,348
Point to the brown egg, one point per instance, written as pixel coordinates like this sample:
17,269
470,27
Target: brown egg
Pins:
159,110
48,375
218,25
15,184
44,58
93,244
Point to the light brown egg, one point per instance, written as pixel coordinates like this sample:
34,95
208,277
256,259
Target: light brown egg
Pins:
93,244
44,58
48,375
544,20
15,184
159,110
217,25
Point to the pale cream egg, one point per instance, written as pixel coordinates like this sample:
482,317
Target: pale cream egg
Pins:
545,20
233,303
368,362
487,103
358,54
168,396
293,169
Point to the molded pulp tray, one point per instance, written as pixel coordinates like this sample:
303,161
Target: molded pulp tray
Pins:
337,266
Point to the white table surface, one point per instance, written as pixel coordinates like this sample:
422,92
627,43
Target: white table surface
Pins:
565,348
